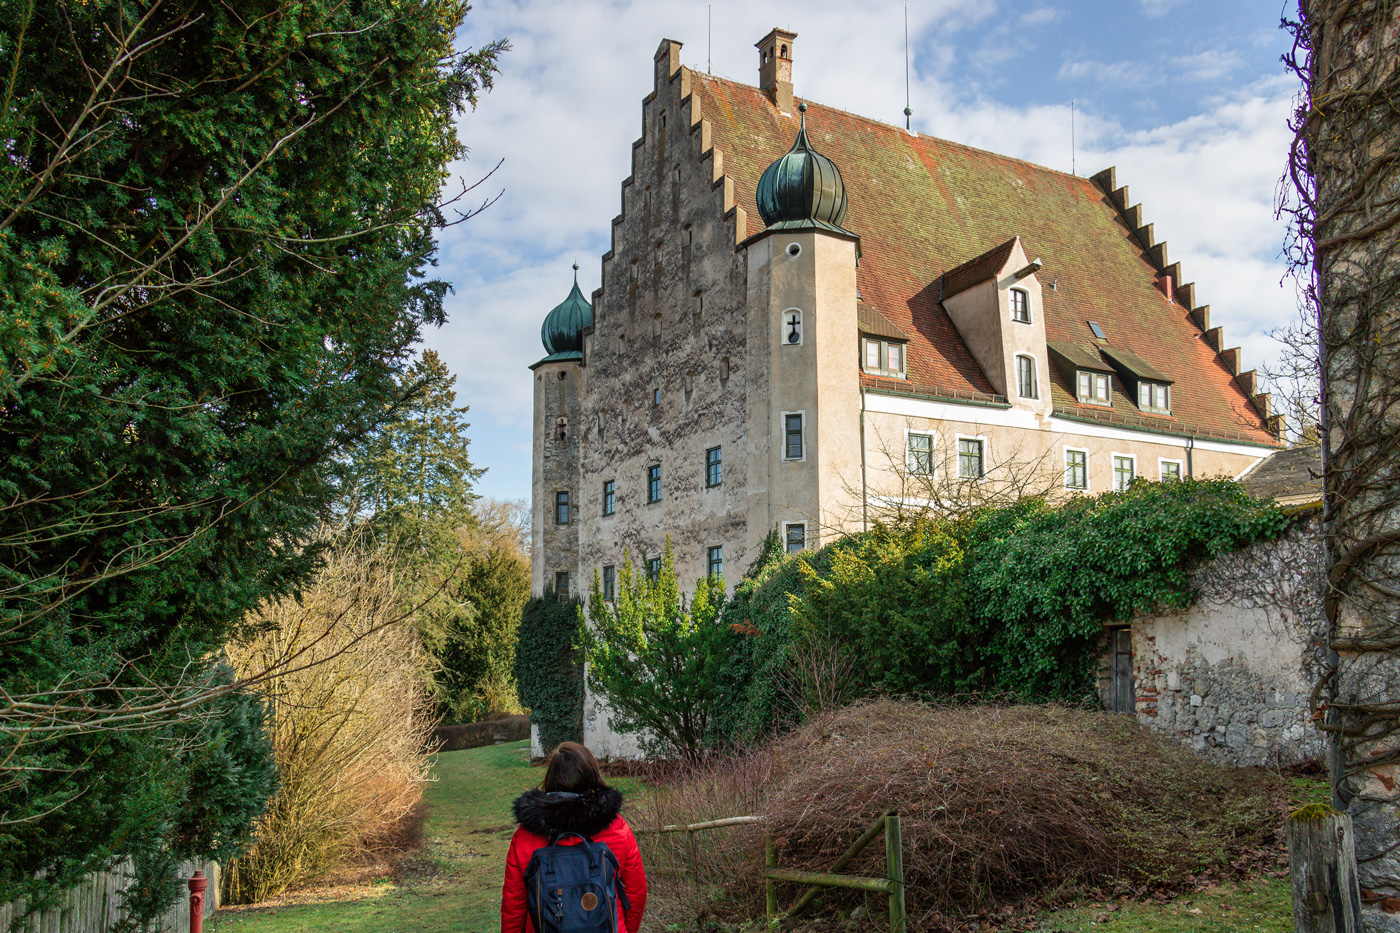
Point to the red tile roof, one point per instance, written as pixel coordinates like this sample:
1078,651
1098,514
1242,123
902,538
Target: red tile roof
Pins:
976,270
923,206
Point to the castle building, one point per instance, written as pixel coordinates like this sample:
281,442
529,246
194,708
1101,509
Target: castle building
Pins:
810,320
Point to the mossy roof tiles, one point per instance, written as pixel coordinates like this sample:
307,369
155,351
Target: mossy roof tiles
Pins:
923,206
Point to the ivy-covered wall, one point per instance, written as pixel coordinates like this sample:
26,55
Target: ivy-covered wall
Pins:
549,670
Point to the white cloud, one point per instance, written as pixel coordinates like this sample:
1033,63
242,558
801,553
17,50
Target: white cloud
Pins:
567,107
1158,8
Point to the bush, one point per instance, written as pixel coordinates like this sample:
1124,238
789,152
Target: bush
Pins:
348,720
477,734
1005,601
548,669
997,804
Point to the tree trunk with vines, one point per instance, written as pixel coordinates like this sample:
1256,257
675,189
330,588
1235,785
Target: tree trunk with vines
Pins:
1345,206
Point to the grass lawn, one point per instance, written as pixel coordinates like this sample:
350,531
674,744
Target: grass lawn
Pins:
468,830
1261,904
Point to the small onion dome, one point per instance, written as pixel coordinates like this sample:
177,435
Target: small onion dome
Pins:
803,188
562,331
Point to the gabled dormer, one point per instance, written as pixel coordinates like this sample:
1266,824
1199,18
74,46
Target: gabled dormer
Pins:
1085,371
1148,385
883,346
994,300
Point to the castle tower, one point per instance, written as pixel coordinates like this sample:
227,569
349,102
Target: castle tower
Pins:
554,512
802,270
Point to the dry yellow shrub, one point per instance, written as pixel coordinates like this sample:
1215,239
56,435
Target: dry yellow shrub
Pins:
348,716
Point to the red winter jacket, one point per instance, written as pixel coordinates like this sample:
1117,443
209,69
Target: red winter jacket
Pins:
593,813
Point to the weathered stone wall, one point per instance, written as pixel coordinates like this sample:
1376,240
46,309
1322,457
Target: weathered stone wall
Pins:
1231,676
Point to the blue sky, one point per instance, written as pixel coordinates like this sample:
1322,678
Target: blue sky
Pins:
1186,97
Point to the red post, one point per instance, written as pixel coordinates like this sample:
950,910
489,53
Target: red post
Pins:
197,885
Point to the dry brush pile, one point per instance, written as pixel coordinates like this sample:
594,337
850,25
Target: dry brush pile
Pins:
998,805
349,719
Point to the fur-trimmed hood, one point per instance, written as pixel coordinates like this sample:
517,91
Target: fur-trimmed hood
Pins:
587,813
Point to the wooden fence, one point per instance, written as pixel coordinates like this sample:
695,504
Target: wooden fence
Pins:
891,885
94,905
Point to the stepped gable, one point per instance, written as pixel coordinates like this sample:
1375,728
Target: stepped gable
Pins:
923,206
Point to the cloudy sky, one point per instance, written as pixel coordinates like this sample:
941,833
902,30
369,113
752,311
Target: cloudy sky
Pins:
1186,97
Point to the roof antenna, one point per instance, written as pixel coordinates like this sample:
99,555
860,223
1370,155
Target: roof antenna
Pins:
709,33
907,112
1071,139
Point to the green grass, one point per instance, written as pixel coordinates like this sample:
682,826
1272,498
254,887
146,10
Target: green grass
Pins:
468,832
1259,905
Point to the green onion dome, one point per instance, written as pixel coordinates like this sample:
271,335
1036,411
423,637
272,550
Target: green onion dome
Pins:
803,188
562,331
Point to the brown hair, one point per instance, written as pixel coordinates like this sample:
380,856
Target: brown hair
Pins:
571,767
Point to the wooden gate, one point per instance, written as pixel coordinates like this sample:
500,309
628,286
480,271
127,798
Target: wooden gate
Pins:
1121,696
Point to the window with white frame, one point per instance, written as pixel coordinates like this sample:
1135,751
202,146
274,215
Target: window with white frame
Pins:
714,561
1076,469
1025,377
883,357
796,535
1124,469
920,459
793,442
1155,396
1095,388
1020,306
1170,469
970,461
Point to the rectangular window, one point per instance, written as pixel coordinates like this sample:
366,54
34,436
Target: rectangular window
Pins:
653,569
654,483
1094,388
792,429
921,454
655,397
1123,472
609,582
609,497
883,357
1076,469
561,508
1154,396
1020,305
1171,470
715,561
796,537
714,467
561,585
1025,377
969,458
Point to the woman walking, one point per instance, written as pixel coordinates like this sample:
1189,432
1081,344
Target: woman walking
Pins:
549,889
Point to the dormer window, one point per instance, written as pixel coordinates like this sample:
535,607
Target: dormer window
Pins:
1020,306
1095,388
883,357
1155,397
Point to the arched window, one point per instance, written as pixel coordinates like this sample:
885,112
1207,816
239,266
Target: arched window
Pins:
1020,306
1025,377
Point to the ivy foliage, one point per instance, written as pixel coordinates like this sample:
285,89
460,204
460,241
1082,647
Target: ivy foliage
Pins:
549,668
1009,601
656,656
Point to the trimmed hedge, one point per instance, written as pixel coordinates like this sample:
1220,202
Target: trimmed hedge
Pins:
477,734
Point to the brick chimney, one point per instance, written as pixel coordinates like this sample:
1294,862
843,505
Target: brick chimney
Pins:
775,67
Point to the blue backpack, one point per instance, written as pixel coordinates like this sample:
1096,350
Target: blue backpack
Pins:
573,889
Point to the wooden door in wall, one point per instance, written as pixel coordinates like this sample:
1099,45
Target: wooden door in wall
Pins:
1121,699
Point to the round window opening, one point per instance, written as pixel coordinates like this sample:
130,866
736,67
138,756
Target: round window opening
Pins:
794,249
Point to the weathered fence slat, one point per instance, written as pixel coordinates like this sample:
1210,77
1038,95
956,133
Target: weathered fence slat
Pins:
93,905
830,880
1322,869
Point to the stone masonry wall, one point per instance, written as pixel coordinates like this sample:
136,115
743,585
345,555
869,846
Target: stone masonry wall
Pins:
1231,676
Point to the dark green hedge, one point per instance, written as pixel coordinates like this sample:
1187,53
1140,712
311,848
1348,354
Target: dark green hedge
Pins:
549,668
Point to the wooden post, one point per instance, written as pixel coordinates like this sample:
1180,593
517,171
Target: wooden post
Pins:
770,860
1322,867
894,871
